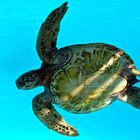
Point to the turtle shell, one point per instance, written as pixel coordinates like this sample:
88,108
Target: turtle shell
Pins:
92,77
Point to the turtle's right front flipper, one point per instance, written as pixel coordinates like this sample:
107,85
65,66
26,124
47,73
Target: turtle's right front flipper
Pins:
47,37
45,111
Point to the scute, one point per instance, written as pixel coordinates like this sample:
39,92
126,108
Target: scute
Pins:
91,79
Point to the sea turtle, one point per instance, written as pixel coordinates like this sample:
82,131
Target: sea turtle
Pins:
79,78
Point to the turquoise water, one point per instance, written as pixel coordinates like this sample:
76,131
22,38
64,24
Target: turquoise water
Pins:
115,22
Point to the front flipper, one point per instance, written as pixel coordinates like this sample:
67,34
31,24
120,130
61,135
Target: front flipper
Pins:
46,113
47,37
132,97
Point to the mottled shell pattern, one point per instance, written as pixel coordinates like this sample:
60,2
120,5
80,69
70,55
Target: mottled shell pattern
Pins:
92,78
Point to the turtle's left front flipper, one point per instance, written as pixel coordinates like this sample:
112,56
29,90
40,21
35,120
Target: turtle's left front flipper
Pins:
132,97
47,37
45,111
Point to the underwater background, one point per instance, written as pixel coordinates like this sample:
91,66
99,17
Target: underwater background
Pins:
115,22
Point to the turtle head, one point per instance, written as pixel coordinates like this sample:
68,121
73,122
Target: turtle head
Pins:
32,79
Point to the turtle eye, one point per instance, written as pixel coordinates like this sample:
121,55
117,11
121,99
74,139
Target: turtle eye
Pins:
22,79
27,86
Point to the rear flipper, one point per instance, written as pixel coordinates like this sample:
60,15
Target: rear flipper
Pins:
46,113
132,97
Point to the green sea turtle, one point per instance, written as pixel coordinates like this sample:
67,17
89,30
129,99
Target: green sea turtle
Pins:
78,78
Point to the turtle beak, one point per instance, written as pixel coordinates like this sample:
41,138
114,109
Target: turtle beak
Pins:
19,83
24,83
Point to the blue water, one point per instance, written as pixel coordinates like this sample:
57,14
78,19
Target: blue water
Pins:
115,22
